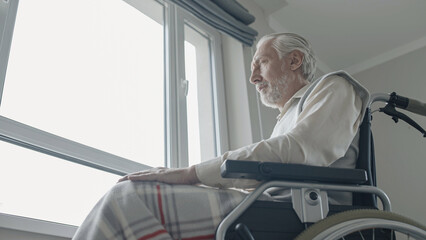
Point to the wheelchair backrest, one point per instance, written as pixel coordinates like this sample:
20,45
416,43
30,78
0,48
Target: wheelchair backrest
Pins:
366,161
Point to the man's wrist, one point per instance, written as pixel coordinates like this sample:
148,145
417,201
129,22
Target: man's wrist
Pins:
192,175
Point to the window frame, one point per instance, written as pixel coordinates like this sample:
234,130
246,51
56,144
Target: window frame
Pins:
175,105
177,141
8,9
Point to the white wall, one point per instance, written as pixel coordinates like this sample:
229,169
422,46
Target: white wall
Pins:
241,129
400,149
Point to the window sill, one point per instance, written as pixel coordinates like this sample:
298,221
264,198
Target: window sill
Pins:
36,226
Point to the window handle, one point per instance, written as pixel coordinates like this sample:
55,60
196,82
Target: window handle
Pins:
185,86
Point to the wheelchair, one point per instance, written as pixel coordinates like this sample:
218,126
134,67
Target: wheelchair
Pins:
309,215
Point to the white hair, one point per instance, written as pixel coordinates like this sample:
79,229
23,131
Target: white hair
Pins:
285,43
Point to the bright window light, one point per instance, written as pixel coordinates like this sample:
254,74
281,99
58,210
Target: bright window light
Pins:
91,74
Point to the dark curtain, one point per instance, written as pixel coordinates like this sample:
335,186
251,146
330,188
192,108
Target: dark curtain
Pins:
225,15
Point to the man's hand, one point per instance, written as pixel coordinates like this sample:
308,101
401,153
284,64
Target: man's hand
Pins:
165,175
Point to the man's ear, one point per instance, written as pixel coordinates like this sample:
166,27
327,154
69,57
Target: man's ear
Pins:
296,59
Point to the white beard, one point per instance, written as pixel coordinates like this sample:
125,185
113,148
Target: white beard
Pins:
272,95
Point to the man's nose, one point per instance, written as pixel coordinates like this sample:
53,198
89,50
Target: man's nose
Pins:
255,76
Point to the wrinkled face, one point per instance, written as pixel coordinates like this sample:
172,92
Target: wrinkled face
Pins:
269,75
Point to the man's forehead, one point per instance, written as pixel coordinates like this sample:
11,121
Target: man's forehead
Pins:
265,50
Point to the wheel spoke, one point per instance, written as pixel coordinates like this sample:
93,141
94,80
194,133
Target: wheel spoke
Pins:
362,236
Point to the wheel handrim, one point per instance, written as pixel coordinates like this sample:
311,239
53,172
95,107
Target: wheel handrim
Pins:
342,229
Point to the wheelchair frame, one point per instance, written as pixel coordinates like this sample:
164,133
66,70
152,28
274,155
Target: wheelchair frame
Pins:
305,205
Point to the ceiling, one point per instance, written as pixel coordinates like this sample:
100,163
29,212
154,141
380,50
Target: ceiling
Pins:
352,35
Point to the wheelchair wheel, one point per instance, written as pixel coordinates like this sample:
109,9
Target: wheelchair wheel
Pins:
364,224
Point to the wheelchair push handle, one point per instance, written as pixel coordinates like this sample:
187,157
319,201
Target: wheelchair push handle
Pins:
393,100
408,104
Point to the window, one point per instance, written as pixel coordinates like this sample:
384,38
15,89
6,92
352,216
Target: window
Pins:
88,78
96,92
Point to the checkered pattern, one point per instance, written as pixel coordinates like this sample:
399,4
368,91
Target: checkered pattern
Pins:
151,210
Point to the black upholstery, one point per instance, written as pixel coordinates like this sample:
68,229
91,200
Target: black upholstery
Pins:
366,161
275,220
265,171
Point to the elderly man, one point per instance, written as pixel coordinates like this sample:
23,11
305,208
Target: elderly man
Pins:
317,125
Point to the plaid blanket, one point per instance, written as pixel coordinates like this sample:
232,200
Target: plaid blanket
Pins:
151,210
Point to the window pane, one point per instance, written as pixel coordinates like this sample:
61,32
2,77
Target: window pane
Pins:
200,111
39,186
92,74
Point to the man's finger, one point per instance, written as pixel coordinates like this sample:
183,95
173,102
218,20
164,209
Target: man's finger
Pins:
144,177
125,178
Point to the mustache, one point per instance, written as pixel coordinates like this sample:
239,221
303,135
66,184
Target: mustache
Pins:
261,85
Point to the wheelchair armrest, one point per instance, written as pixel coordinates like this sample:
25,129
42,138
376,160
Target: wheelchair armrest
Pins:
291,172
